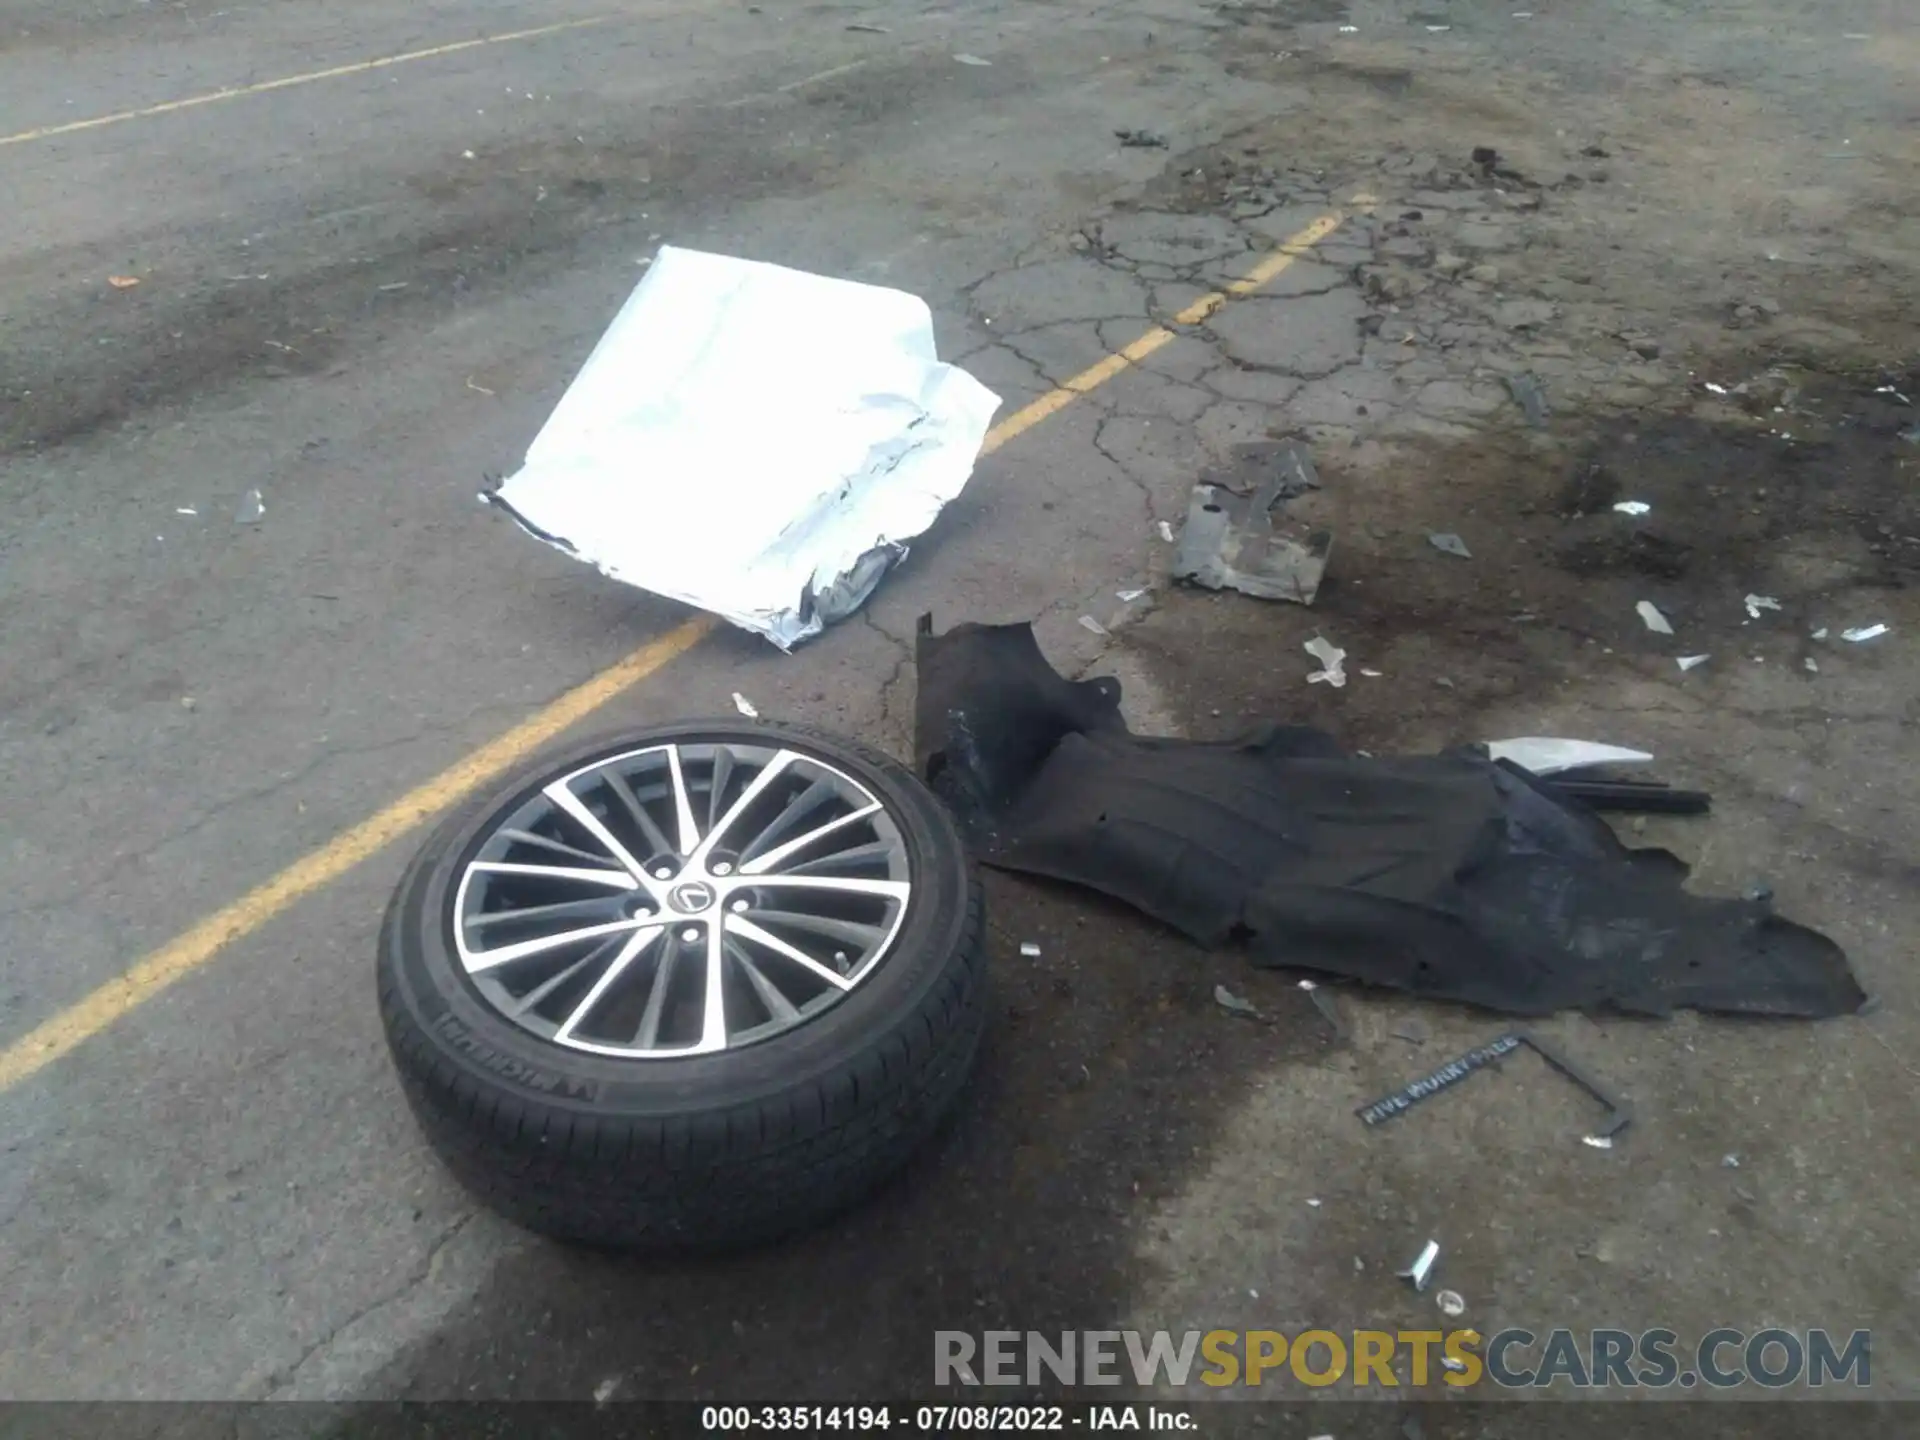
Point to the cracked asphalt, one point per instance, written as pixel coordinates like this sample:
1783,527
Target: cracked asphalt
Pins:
360,296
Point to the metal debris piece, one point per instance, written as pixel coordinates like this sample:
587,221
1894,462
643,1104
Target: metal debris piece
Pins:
1812,664
1421,1270
1140,139
1087,622
1687,662
972,60
1030,949
1633,507
1450,543
1864,632
1550,755
1757,603
252,507
1619,1112
1451,1303
1331,658
1655,621
745,706
1598,1142
1231,541
1531,396
1234,1004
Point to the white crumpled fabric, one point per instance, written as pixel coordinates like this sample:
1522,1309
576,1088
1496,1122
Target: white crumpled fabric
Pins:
754,441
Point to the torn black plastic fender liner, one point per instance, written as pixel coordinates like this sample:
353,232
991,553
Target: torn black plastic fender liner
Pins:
1445,875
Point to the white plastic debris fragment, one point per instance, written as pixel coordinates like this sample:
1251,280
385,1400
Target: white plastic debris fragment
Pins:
972,60
1598,1142
1864,632
1821,633
1421,1270
1548,755
1812,664
745,706
1030,950
1687,662
1127,597
185,510
1234,1004
1349,29
1448,1362
1166,531
1757,603
1732,1162
1633,507
1654,620
753,441
1087,622
252,507
1331,658
1372,674
606,1390
1313,1204
1451,1303
1716,389
1452,544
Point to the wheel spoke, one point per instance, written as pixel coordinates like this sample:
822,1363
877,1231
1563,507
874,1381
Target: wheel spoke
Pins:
802,805
747,930
564,909
617,879
506,954
682,805
561,795
637,943
713,1010
747,796
760,864
654,836
890,889
717,787
779,1007
647,1037
533,997
840,859
527,837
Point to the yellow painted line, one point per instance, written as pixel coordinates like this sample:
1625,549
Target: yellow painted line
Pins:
287,82
1099,374
180,957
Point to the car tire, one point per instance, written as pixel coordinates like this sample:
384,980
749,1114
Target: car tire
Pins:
700,1151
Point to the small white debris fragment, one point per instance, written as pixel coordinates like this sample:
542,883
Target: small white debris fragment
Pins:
972,60
1438,29
1451,1303
1315,1204
185,510
1450,543
1687,662
1127,597
745,706
1757,603
1598,1142
1030,949
1087,622
1732,1162
1716,389
1821,633
466,154
1349,29
1655,621
1864,632
1633,507
1372,674
1421,1270
605,1390
1166,532
252,507
1447,1362
1331,658
1812,664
